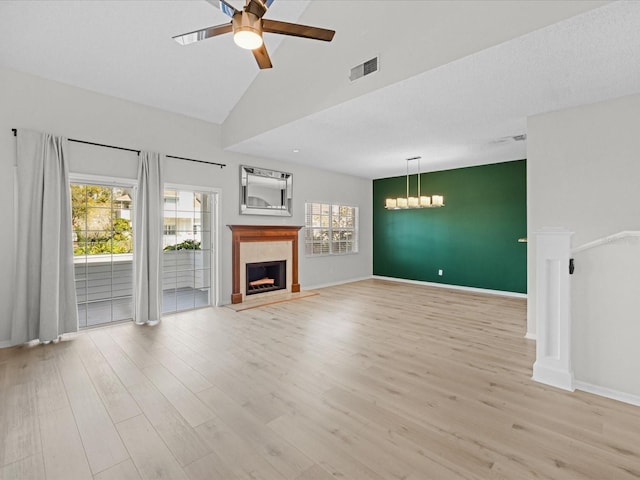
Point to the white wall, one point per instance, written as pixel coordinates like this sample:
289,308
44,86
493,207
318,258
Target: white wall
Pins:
583,171
606,332
38,104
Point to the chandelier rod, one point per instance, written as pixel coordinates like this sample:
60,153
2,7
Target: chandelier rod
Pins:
409,160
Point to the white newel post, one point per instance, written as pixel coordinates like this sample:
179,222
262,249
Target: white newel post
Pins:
553,309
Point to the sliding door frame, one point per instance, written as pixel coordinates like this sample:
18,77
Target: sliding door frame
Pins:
91,179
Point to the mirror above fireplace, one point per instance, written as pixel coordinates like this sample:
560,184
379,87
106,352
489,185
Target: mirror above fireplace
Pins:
265,192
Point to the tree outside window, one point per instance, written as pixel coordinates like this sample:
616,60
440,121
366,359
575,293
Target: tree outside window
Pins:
101,219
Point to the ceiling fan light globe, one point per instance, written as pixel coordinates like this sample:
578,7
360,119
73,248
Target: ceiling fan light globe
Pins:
247,38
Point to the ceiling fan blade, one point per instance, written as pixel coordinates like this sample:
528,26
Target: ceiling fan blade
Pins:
262,57
297,30
192,37
256,7
225,7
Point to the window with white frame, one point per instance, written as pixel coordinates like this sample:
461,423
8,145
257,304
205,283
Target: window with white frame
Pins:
330,229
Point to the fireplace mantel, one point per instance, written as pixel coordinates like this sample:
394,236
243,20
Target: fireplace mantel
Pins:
262,233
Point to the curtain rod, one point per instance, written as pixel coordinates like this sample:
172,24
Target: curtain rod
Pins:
221,165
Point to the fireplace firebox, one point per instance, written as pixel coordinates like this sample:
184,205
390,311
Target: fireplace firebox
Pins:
266,276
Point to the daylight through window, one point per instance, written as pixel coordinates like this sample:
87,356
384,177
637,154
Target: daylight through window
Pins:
331,229
101,219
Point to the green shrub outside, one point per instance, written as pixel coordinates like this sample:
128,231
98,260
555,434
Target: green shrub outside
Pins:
186,245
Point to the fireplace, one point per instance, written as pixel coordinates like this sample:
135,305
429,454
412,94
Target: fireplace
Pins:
263,243
266,277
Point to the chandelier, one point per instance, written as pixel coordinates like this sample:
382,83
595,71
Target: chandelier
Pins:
420,201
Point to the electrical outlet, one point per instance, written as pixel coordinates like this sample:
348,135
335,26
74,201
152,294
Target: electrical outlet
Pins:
440,272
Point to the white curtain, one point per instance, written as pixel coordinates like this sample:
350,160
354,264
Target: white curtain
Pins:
147,233
45,296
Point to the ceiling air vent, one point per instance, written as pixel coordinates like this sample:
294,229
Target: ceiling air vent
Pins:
364,69
514,138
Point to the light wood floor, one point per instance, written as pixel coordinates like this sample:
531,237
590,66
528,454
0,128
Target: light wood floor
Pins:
372,380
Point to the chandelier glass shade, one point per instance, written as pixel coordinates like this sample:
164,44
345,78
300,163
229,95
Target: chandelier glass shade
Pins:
419,201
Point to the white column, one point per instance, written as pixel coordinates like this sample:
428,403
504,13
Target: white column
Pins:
553,309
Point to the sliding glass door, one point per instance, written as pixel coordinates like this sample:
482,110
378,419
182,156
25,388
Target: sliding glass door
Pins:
188,249
103,252
102,222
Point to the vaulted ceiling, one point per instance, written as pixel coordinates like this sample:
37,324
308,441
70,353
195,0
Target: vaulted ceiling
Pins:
456,79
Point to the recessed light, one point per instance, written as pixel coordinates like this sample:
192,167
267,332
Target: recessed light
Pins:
296,150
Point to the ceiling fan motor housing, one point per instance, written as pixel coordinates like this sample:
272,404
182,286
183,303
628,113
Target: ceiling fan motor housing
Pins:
247,22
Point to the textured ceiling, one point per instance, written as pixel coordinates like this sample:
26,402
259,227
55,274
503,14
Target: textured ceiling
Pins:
457,112
465,112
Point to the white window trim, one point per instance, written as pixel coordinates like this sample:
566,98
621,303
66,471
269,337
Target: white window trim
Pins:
103,180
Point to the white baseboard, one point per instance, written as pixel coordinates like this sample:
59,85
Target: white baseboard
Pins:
552,376
454,287
531,336
333,284
607,392
5,344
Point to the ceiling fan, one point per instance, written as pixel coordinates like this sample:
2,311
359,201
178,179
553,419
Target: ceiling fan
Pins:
248,25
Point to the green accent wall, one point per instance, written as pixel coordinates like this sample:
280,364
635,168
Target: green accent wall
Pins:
473,239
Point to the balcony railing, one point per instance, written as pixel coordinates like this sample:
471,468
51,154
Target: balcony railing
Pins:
103,279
